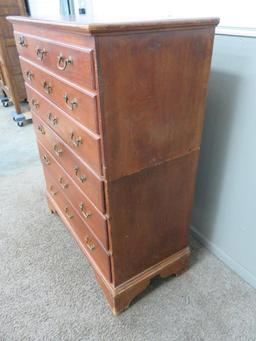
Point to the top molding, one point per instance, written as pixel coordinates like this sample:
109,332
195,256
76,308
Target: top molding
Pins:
88,26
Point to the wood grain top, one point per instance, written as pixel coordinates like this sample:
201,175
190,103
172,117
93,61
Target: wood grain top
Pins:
90,26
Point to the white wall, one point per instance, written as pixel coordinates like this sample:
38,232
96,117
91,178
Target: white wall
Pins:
232,13
51,8
44,8
225,204
83,3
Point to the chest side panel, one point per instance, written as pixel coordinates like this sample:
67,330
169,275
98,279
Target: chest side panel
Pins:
153,88
150,213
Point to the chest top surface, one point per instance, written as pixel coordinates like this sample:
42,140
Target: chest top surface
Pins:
91,25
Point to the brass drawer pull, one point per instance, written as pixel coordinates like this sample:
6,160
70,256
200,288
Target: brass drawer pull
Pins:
35,104
22,41
81,177
47,87
68,214
84,213
41,129
52,118
62,62
53,192
29,75
89,243
57,149
71,105
46,159
62,183
40,53
77,141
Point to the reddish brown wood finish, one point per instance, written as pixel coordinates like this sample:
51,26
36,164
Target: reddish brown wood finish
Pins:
79,228
80,71
60,34
153,214
95,220
49,138
119,297
146,116
89,149
85,111
83,25
80,140
152,109
11,80
92,187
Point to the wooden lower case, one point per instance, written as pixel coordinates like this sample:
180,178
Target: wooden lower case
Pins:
120,297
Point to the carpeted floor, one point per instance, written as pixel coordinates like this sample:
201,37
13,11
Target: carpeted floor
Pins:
48,291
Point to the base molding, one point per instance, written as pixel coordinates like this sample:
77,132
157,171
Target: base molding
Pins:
120,297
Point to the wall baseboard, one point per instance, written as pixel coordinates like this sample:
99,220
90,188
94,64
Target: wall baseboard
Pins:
225,258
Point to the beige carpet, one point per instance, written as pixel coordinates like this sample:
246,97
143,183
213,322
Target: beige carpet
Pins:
48,291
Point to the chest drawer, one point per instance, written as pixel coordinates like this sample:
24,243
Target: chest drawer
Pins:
96,221
90,184
83,235
82,142
73,63
81,105
54,143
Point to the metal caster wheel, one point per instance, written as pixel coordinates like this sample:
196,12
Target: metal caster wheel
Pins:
20,123
6,104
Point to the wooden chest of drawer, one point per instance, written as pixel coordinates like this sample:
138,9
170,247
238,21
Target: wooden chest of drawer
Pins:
118,112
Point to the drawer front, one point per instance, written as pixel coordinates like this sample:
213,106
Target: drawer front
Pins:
80,105
83,235
76,64
96,221
88,182
84,144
